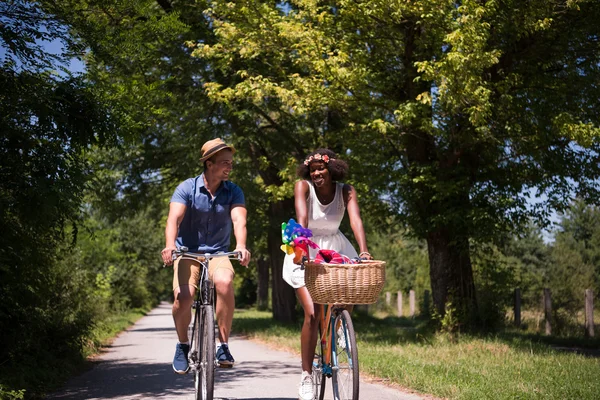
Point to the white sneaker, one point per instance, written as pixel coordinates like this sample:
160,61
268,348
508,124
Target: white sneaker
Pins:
305,392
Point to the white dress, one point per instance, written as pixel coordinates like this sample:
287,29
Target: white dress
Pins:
324,222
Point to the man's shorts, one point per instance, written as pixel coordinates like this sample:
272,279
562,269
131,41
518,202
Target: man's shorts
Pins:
188,271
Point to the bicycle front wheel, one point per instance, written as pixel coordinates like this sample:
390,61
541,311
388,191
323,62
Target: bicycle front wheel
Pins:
345,369
318,377
205,373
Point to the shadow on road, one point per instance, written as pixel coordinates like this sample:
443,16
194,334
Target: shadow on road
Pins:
120,379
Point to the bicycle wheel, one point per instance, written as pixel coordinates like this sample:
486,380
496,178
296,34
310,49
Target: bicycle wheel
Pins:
317,370
205,372
345,371
207,292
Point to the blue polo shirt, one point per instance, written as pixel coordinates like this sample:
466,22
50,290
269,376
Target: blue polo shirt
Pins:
206,225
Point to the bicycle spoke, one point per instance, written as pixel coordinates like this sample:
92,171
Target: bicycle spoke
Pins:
345,373
319,379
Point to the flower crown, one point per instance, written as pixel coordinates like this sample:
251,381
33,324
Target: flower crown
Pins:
318,157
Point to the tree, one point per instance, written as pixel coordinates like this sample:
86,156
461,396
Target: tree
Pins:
48,119
575,257
531,260
137,52
462,106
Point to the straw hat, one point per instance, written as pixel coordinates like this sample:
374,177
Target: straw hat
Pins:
212,147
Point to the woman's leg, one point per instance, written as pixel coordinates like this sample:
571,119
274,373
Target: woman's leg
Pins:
308,337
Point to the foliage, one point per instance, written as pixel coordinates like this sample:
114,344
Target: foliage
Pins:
462,106
530,257
407,267
49,120
574,265
495,276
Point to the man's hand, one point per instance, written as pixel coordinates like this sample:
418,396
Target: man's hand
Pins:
167,255
245,260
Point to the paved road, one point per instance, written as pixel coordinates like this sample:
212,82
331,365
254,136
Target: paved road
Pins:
137,366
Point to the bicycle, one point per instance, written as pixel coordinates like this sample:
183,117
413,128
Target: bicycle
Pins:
336,354
333,287
202,357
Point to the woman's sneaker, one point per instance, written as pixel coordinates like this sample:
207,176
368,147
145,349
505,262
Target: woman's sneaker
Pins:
224,357
180,361
305,391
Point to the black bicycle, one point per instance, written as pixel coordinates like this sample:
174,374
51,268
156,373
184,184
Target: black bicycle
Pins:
202,356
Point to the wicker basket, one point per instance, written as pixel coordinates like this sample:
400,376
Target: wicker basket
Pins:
345,283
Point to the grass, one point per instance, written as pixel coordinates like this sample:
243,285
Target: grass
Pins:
405,352
107,329
45,370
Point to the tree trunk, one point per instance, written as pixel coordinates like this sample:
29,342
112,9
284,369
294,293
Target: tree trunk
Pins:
263,284
283,296
451,275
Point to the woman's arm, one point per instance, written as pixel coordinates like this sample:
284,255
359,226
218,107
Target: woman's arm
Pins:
355,220
300,195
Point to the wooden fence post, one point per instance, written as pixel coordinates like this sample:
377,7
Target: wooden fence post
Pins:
388,299
589,313
517,307
548,311
411,303
399,303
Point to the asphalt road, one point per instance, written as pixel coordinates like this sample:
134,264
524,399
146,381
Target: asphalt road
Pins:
138,366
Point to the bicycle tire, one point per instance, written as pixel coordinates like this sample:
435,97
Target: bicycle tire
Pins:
204,377
207,292
319,379
344,379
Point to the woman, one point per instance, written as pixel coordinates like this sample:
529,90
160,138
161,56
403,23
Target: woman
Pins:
320,201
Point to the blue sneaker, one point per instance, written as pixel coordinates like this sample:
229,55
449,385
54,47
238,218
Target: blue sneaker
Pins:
180,361
224,357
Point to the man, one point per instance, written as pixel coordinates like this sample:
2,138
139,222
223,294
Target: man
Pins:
201,213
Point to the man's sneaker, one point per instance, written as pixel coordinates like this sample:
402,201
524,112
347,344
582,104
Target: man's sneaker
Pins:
224,357
180,361
305,391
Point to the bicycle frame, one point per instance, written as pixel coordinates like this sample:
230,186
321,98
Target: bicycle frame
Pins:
203,259
328,334
202,352
336,356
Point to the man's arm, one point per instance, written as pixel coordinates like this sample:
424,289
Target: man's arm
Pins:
176,213
238,217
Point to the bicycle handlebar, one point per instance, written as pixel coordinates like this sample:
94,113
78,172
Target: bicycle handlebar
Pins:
184,251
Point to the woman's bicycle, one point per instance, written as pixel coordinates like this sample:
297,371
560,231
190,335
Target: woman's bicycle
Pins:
336,354
202,357
333,287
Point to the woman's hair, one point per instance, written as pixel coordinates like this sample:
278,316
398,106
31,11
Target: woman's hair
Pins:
337,168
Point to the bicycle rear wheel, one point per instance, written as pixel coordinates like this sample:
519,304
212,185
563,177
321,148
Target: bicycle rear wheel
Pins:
345,369
204,377
319,379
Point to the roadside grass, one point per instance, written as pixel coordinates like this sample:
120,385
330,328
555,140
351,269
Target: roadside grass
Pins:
107,330
403,351
45,368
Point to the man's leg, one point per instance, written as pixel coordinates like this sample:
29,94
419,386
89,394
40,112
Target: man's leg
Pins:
182,310
185,277
223,280
221,273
